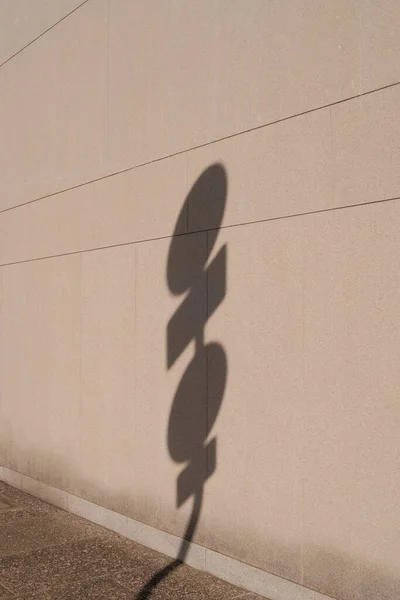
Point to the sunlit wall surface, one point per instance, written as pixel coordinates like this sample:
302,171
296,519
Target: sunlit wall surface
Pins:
200,272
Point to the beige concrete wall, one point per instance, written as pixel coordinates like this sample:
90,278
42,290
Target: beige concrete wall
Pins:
107,119
24,21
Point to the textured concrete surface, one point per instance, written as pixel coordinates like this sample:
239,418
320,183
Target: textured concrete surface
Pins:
300,103
49,554
4,504
28,21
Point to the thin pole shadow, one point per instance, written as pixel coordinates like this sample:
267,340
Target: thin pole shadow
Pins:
198,399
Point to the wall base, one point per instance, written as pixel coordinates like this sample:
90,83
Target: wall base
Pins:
224,567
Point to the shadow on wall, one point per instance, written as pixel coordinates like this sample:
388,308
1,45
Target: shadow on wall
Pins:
200,392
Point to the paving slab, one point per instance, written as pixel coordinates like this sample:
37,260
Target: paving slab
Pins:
5,595
95,589
13,542
58,528
24,506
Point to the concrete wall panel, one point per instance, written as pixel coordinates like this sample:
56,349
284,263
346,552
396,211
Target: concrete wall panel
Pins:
54,108
278,170
312,347
137,205
366,148
25,20
185,60
254,499
352,416
40,368
107,427
380,43
158,464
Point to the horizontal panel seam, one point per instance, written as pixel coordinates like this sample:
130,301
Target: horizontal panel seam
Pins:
42,34
233,225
